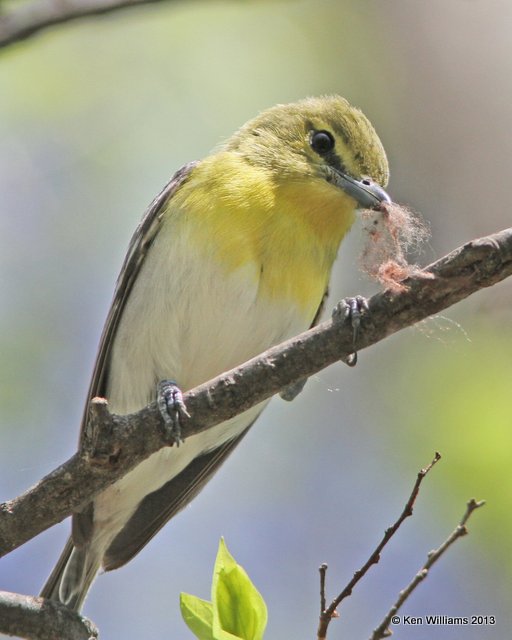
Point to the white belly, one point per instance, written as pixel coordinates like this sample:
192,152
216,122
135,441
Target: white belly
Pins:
188,324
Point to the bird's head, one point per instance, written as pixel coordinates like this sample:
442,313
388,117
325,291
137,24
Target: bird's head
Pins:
321,138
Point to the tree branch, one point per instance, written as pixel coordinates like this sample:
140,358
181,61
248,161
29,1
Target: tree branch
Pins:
28,19
115,444
29,617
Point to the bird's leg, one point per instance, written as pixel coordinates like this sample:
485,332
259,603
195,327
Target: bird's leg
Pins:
292,391
172,408
352,309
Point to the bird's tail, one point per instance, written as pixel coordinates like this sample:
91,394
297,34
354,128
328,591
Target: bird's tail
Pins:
72,576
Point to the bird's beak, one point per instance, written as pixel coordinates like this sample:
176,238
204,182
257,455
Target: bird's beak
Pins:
366,193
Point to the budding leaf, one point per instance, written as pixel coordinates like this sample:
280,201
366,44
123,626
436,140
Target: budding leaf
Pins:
238,609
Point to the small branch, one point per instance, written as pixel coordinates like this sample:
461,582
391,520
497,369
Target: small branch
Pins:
326,615
383,630
37,618
122,442
23,21
323,570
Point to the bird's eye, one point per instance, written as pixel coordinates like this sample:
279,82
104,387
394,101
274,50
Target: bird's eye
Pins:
322,142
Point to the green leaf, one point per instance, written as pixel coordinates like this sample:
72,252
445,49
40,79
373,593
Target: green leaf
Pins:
239,611
198,614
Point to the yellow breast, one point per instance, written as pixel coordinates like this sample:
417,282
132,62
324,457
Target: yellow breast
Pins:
290,229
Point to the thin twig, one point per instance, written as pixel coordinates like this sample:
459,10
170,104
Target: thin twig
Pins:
323,570
383,630
327,614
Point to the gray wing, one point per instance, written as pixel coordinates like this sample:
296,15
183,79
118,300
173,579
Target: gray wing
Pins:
139,245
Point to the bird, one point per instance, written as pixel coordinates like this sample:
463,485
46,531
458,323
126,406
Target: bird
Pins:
232,257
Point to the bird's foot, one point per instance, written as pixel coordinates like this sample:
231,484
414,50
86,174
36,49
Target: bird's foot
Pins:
172,408
352,309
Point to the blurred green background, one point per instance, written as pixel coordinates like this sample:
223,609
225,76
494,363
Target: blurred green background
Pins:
94,118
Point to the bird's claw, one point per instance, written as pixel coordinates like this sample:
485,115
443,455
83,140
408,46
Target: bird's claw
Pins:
172,408
352,309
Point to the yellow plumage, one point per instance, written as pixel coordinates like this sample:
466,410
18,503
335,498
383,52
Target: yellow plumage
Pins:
231,258
293,231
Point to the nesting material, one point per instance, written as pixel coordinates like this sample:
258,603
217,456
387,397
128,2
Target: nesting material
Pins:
390,231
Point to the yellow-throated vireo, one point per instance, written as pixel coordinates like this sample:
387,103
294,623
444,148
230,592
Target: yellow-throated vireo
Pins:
232,257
